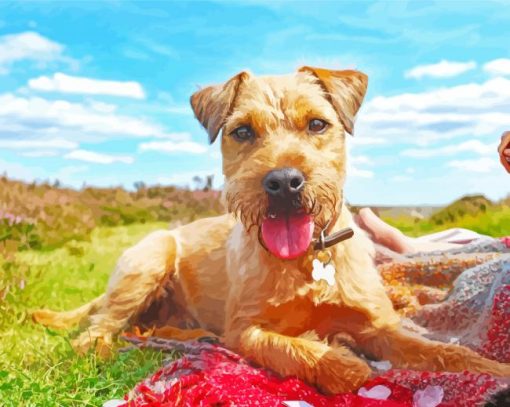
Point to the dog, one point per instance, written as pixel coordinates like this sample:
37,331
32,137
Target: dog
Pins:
246,276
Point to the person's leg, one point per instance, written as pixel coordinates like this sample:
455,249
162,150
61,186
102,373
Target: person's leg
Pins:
392,238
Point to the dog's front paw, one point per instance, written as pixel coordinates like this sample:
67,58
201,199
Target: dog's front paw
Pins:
102,344
340,371
497,368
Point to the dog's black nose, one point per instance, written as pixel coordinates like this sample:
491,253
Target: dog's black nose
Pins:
284,182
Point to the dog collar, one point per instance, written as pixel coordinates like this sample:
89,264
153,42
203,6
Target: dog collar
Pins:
324,242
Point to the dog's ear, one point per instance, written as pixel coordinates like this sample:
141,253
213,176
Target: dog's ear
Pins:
344,89
213,104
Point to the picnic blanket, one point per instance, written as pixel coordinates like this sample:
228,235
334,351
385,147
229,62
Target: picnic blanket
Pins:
460,295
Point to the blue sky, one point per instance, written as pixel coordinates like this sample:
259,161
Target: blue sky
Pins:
97,92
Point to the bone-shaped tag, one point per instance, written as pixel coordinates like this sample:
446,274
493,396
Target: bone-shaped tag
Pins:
323,272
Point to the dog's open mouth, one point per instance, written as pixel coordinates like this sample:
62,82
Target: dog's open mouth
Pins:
288,234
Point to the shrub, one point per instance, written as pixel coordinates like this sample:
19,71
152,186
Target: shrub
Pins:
17,233
44,216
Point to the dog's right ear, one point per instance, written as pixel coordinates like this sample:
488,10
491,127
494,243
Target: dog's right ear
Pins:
213,104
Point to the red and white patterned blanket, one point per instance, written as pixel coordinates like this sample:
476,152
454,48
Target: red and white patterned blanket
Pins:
460,295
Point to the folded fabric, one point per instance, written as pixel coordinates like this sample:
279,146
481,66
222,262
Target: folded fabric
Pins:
215,378
460,295
454,235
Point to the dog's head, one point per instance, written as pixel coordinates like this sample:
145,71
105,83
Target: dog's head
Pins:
283,145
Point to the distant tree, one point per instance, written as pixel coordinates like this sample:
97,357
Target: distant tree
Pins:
209,183
197,180
139,185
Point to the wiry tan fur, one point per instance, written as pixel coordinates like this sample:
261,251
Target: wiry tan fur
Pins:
214,276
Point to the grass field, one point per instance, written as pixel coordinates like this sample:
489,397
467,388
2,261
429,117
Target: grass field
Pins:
37,366
492,223
474,213
58,247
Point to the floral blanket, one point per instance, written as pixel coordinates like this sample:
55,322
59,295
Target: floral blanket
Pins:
460,295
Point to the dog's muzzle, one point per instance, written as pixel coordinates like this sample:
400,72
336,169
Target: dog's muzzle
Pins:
287,230
284,186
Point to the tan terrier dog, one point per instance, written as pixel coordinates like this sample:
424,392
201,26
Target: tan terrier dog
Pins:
247,276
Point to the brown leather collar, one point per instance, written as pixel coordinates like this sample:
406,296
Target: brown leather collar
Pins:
324,242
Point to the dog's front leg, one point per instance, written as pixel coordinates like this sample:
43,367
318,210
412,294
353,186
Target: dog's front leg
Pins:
332,370
406,349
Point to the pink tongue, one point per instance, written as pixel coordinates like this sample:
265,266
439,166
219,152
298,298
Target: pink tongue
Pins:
288,237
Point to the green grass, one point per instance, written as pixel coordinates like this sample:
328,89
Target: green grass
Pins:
494,222
38,366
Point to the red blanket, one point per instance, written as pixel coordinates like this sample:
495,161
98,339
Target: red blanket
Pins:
212,378
462,297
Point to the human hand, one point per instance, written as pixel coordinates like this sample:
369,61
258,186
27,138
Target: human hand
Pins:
504,150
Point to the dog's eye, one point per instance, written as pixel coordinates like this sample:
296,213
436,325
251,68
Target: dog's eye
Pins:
243,133
317,125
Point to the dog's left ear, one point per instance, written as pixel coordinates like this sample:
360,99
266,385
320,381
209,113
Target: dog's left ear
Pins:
344,89
213,104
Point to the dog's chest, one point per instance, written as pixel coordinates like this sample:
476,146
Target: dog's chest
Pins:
301,315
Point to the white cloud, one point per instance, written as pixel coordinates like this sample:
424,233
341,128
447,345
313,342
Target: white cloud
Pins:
102,107
54,143
365,141
63,83
174,147
30,118
65,174
178,136
360,159
460,124
470,110
443,69
98,158
479,165
471,146
40,153
75,176
18,171
498,67
27,46
401,178
74,169
354,171
352,164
